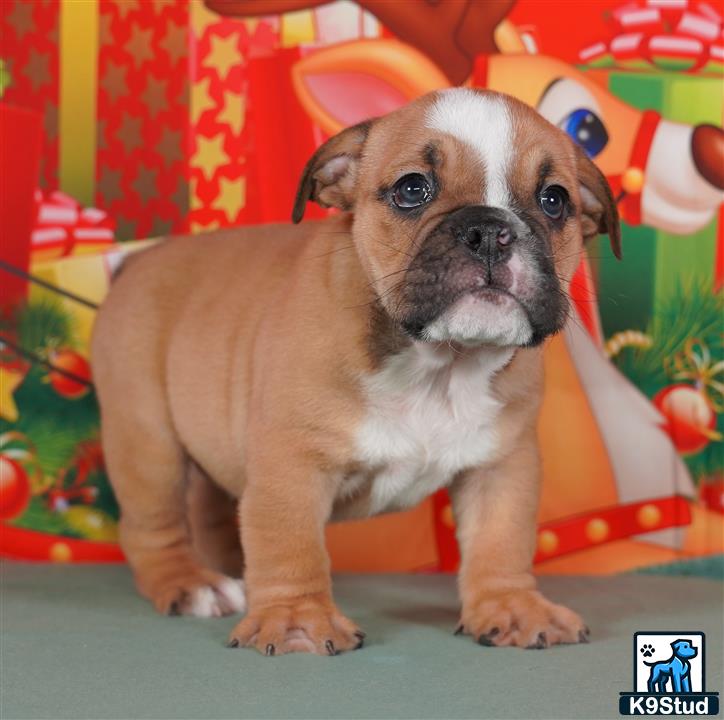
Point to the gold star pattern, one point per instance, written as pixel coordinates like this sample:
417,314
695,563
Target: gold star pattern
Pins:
160,5
209,155
125,228
180,196
101,143
37,69
175,43
202,18
114,81
21,18
154,95
110,186
129,132
145,183
195,202
160,226
231,197
233,111
139,45
10,380
170,146
105,23
201,101
50,122
126,6
224,54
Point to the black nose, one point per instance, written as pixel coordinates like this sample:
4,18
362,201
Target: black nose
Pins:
491,238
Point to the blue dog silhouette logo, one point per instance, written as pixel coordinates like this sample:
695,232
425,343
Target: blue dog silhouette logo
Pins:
669,676
672,675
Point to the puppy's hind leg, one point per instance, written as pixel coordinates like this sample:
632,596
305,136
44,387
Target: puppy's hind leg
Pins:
213,515
147,468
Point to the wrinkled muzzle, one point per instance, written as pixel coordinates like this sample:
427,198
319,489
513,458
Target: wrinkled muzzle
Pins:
483,275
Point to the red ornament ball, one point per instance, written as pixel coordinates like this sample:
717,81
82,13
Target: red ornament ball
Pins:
690,419
711,492
71,362
14,488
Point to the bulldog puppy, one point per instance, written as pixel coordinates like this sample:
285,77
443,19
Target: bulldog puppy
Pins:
349,367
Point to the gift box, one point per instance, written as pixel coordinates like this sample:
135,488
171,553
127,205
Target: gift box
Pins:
111,81
160,113
657,263
664,59
56,503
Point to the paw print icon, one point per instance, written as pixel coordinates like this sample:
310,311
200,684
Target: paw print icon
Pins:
647,650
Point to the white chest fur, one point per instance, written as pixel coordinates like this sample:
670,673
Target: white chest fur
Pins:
430,414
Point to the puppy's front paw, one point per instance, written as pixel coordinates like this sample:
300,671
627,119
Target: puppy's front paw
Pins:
523,618
312,625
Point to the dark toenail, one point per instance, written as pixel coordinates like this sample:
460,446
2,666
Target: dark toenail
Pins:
173,609
331,650
586,630
540,643
488,639
360,634
232,643
359,644
269,650
459,629
583,636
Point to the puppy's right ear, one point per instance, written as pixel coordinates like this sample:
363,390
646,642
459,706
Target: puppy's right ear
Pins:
599,213
330,176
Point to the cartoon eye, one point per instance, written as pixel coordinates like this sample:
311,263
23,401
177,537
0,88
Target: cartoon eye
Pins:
572,106
411,191
587,130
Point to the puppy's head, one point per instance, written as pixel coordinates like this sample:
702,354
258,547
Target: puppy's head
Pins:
470,214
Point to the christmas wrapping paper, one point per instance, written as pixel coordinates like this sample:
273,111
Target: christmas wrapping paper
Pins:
111,80
657,262
159,112
29,37
663,303
56,503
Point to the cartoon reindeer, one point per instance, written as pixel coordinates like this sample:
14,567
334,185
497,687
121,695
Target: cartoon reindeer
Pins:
610,471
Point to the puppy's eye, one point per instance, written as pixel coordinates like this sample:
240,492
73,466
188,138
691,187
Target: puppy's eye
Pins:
553,201
411,191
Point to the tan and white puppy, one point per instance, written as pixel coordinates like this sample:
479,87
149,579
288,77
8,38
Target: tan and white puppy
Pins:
349,367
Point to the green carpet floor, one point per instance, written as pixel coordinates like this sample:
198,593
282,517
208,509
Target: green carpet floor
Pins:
77,642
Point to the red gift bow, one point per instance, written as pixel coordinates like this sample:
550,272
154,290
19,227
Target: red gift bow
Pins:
675,28
63,223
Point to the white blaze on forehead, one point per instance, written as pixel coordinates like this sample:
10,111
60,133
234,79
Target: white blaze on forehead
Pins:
483,122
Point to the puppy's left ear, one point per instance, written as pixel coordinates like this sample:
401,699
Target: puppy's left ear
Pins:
330,176
599,213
